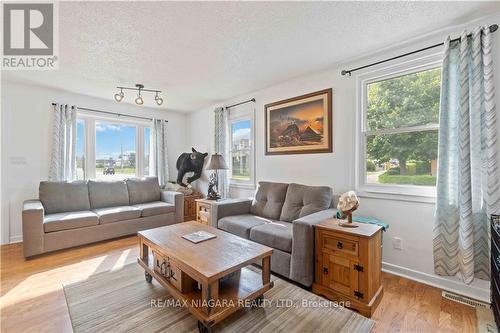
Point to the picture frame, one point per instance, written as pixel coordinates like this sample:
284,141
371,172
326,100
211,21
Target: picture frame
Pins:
300,125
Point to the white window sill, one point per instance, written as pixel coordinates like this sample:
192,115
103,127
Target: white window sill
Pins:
245,186
424,194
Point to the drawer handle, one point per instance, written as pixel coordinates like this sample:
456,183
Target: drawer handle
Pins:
325,270
339,245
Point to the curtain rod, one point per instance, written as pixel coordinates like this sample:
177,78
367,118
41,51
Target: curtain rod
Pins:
244,102
114,113
493,28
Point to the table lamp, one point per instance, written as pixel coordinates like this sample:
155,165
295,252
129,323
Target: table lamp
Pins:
216,163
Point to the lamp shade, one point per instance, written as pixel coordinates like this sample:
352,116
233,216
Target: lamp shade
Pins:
217,162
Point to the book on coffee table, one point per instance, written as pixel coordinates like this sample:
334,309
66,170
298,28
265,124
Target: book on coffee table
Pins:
199,236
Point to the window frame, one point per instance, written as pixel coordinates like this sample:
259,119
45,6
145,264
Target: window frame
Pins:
236,116
389,191
90,119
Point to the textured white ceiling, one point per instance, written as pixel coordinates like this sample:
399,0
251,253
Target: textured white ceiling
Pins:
200,53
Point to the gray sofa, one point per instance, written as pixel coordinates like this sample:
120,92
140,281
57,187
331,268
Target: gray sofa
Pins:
280,216
80,212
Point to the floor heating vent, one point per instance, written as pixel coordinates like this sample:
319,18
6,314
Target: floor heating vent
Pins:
464,300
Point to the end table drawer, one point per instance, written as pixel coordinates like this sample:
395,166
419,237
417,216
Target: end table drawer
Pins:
339,245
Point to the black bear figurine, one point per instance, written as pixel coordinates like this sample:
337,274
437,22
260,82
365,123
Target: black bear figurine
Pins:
190,162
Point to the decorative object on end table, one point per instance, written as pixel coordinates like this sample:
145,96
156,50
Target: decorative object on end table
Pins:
190,162
216,163
348,203
300,125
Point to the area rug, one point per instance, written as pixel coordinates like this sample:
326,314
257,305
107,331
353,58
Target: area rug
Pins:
121,301
485,320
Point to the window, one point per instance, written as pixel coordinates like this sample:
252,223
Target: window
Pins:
399,130
147,148
111,149
242,147
80,149
115,150
240,152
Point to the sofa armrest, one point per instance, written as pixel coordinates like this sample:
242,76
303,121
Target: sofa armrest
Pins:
302,262
229,207
33,213
177,199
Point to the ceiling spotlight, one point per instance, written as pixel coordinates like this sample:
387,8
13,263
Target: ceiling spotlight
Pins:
119,96
139,100
158,99
140,89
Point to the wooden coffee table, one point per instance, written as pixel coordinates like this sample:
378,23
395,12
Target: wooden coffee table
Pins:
210,277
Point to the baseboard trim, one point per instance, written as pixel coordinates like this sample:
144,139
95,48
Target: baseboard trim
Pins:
456,287
16,239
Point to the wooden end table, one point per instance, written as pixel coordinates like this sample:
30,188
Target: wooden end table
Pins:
348,264
217,265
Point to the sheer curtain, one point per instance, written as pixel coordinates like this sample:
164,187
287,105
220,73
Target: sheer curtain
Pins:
63,158
468,184
160,151
221,141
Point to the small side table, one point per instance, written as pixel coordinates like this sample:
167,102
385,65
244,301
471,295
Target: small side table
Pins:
190,206
348,264
204,210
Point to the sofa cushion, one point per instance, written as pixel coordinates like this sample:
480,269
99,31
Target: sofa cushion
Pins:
108,194
155,208
114,214
240,225
277,235
269,200
302,200
69,220
142,190
57,197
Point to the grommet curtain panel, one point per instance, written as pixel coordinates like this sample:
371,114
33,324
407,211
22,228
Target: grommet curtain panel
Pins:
221,144
468,188
160,151
63,156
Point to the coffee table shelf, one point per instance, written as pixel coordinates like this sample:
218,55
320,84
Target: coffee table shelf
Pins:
242,287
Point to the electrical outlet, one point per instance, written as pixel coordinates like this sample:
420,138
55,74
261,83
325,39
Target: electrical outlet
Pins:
397,242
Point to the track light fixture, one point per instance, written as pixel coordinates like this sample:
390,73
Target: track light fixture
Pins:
158,99
139,100
119,96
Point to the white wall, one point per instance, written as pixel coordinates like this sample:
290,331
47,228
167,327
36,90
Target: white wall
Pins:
412,221
26,137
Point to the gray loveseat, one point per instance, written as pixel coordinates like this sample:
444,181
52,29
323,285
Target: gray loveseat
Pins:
280,216
74,213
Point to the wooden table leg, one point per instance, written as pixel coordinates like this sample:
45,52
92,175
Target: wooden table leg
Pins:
266,270
144,252
210,294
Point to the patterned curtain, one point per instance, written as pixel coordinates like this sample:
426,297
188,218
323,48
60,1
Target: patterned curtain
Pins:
63,159
468,188
222,147
160,151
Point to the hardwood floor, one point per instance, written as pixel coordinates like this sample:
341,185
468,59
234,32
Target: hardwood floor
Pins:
32,298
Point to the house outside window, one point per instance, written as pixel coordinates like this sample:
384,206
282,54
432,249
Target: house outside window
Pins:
241,128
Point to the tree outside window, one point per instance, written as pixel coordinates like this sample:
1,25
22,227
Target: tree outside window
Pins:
402,116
